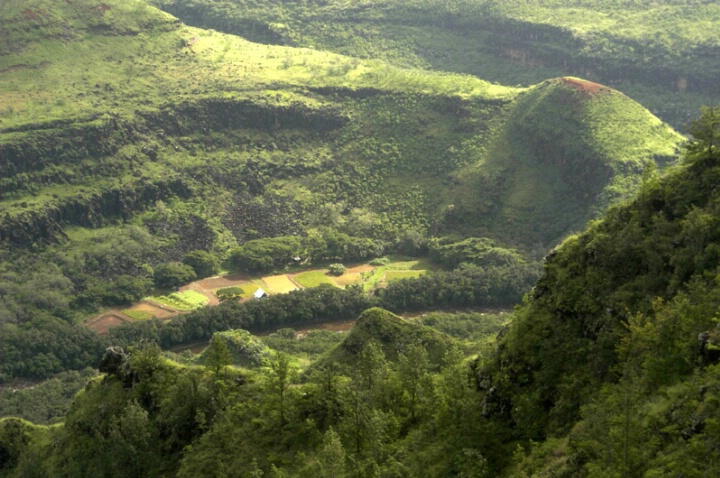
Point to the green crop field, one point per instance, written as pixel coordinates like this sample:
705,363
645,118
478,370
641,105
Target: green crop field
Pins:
187,300
138,314
313,278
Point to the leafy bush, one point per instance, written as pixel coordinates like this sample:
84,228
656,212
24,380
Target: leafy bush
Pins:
203,263
229,293
337,269
172,275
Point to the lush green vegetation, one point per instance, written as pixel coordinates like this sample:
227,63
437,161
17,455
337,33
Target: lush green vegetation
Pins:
154,404
47,402
308,348
135,148
187,300
136,151
663,53
312,279
609,369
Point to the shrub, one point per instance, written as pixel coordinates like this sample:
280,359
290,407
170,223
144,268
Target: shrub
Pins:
203,263
229,293
172,275
337,269
380,261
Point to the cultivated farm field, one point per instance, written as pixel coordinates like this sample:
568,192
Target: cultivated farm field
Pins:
207,291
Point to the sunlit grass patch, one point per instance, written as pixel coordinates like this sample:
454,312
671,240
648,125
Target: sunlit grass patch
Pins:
313,279
348,279
249,290
279,284
407,274
188,300
138,314
406,264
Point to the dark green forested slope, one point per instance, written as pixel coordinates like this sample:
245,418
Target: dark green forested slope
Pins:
617,350
662,52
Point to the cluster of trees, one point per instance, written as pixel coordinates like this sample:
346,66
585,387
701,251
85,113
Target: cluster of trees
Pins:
467,286
49,344
325,244
480,251
47,402
368,419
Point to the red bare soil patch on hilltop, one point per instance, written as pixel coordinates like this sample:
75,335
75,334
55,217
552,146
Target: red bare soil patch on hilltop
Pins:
585,86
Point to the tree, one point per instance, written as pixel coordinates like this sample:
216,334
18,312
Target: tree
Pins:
280,381
337,269
332,456
370,369
414,379
203,263
218,354
172,275
705,132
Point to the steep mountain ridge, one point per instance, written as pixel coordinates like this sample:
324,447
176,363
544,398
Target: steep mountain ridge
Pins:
627,308
392,334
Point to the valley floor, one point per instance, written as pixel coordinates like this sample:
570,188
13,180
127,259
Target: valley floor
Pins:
205,291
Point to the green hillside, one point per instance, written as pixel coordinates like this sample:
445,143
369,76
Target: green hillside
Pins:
617,349
392,334
662,53
130,141
568,149
609,369
138,152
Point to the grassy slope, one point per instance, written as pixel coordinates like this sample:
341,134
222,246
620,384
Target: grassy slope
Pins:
568,150
651,50
110,82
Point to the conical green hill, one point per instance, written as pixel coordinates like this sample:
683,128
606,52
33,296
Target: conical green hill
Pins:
392,333
568,149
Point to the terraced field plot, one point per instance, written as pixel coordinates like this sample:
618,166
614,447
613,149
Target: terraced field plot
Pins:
279,284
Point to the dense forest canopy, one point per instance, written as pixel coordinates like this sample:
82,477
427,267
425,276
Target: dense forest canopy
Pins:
148,144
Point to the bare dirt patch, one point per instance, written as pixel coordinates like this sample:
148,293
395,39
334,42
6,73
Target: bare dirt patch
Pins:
194,286
101,325
158,311
218,282
207,287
